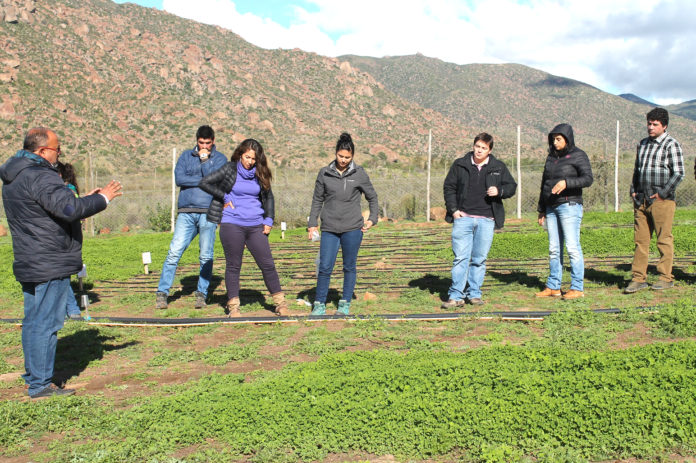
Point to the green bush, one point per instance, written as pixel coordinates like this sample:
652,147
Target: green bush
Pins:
408,206
160,218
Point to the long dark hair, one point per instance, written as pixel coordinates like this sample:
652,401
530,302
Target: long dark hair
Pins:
67,173
263,173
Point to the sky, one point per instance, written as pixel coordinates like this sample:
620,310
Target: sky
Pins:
620,46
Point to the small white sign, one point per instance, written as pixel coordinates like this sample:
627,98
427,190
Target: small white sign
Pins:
283,226
147,258
82,273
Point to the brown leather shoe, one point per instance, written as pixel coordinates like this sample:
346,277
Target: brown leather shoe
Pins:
548,292
573,294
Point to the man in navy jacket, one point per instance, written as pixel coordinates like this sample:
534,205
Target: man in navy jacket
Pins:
44,218
193,205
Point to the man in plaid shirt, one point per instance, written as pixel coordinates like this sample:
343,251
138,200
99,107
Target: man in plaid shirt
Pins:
659,169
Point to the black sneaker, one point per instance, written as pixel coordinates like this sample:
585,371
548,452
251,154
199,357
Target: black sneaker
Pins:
200,300
161,301
52,390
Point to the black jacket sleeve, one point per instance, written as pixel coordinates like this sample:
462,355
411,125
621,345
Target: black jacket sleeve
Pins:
449,188
584,170
268,203
57,199
508,186
212,184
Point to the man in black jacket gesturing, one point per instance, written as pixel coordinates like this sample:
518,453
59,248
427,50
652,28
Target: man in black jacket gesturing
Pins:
474,191
44,218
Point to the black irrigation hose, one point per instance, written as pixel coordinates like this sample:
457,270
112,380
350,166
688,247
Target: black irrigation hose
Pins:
175,322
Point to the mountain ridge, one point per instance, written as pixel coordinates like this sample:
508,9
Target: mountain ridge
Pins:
507,95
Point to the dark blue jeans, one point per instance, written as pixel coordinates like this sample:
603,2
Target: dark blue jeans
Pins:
44,314
328,250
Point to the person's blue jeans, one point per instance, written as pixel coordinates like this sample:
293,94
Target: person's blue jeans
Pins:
471,241
188,225
328,250
72,307
44,315
563,224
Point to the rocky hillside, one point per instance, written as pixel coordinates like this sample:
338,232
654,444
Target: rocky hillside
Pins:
502,96
126,84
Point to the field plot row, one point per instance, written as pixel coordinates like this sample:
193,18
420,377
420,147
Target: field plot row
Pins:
394,263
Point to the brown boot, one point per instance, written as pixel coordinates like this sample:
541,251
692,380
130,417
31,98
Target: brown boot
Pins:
573,294
281,305
548,292
233,308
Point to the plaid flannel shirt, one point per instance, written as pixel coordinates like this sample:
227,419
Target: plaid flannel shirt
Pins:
659,167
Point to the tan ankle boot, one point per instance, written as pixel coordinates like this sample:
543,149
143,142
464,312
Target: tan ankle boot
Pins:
281,305
233,308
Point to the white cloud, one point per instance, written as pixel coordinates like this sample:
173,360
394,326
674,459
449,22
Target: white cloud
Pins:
638,46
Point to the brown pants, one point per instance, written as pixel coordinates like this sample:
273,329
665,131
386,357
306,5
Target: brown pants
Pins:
657,217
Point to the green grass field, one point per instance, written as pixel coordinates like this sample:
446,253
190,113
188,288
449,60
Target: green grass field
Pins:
578,386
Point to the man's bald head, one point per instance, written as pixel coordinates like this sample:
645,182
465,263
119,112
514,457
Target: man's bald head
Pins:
43,142
37,137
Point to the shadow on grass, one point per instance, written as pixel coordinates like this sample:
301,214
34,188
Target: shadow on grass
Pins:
606,278
77,350
433,283
679,274
310,294
189,285
520,278
246,297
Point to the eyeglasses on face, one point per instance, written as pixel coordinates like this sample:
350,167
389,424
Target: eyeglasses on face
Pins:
57,150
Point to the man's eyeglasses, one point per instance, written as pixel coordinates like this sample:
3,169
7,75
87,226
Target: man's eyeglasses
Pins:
57,150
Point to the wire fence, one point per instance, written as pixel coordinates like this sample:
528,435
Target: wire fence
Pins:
147,199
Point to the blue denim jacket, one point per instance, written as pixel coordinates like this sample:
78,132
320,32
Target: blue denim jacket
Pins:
188,173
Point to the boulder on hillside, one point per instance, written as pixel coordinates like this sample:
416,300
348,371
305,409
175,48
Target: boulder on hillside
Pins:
346,67
7,108
11,63
266,125
438,213
11,14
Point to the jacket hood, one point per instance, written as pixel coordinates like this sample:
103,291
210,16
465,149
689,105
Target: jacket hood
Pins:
567,131
17,163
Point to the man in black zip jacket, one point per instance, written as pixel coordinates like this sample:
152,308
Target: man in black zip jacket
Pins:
474,190
44,218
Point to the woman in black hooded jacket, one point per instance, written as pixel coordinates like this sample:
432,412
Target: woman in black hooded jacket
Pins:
566,172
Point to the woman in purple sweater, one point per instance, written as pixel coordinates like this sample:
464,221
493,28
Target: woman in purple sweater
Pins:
243,205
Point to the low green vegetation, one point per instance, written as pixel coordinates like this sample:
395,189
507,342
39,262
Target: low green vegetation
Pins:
579,386
500,403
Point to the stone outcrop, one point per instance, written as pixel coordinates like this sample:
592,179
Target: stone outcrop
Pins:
15,11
